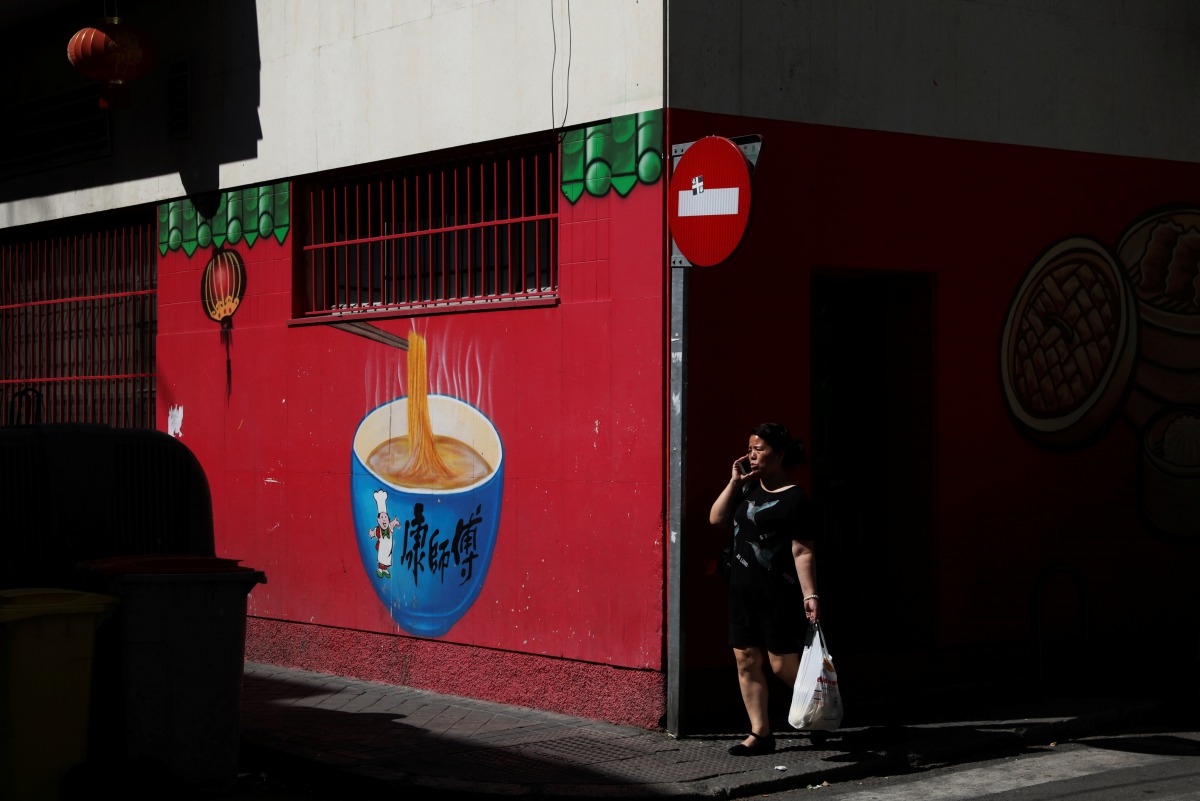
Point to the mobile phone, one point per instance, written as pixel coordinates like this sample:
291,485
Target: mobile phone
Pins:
743,466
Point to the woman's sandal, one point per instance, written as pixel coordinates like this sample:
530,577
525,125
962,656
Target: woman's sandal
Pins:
763,744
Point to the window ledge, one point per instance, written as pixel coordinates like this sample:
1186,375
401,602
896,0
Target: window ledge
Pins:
380,311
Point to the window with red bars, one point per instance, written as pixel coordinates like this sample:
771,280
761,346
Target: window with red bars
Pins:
432,238
78,317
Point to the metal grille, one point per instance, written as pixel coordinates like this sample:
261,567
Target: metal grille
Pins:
425,239
78,317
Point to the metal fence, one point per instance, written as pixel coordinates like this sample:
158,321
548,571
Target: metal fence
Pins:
78,318
419,239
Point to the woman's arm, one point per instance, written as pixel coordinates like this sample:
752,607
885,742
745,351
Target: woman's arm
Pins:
802,552
725,504
722,508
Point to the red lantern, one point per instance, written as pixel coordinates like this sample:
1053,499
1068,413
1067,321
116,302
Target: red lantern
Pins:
223,285
221,289
113,53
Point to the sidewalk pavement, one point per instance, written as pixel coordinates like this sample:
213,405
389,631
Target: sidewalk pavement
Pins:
365,736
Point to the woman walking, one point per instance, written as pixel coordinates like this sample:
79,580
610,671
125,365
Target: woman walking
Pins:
772,577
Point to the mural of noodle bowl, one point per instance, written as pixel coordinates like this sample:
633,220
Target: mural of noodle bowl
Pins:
442,537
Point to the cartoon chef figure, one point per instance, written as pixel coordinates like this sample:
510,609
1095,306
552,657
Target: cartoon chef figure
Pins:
382,534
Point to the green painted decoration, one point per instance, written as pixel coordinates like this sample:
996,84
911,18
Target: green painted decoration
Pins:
572,164
612,155
242,214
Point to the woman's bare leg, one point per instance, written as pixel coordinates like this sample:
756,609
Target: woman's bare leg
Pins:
753,682
785,666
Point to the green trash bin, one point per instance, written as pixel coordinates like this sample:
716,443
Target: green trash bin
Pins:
47,637
179,654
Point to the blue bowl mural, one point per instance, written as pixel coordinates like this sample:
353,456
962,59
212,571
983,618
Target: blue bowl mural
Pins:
426,550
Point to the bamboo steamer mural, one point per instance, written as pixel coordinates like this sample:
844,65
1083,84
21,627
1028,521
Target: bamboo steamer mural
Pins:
1069,343
1092,334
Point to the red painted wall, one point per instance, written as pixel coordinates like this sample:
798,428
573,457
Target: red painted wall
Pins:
578,396
575,391
975,216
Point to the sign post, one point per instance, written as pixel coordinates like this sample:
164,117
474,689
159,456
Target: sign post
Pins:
708,205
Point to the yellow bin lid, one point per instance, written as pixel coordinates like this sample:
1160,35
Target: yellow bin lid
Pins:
26,602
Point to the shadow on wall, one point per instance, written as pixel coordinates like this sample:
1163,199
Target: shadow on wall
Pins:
194,111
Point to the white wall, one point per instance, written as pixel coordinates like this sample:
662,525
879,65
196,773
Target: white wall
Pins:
1111,76
362,81
344,82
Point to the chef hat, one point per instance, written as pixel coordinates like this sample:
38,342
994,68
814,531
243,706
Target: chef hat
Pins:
381,501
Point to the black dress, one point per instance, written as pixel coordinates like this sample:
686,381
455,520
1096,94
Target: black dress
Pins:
766,601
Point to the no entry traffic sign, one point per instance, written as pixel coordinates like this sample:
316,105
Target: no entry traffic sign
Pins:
708,203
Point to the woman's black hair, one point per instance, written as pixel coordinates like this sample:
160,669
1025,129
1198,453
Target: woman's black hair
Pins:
780,439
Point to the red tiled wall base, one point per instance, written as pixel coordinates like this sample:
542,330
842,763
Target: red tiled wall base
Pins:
601,692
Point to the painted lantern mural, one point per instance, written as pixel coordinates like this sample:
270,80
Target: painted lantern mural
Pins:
223,220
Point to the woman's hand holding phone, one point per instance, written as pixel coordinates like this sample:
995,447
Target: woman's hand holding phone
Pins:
742,469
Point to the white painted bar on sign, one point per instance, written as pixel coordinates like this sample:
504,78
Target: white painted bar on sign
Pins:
708,203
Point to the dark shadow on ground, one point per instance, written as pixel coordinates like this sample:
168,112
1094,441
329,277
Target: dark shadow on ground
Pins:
375,747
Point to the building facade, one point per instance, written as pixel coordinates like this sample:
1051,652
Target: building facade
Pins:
400,275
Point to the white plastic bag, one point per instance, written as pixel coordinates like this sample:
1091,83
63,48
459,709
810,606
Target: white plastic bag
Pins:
816,698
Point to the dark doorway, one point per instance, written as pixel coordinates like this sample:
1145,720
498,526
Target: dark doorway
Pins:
873,468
